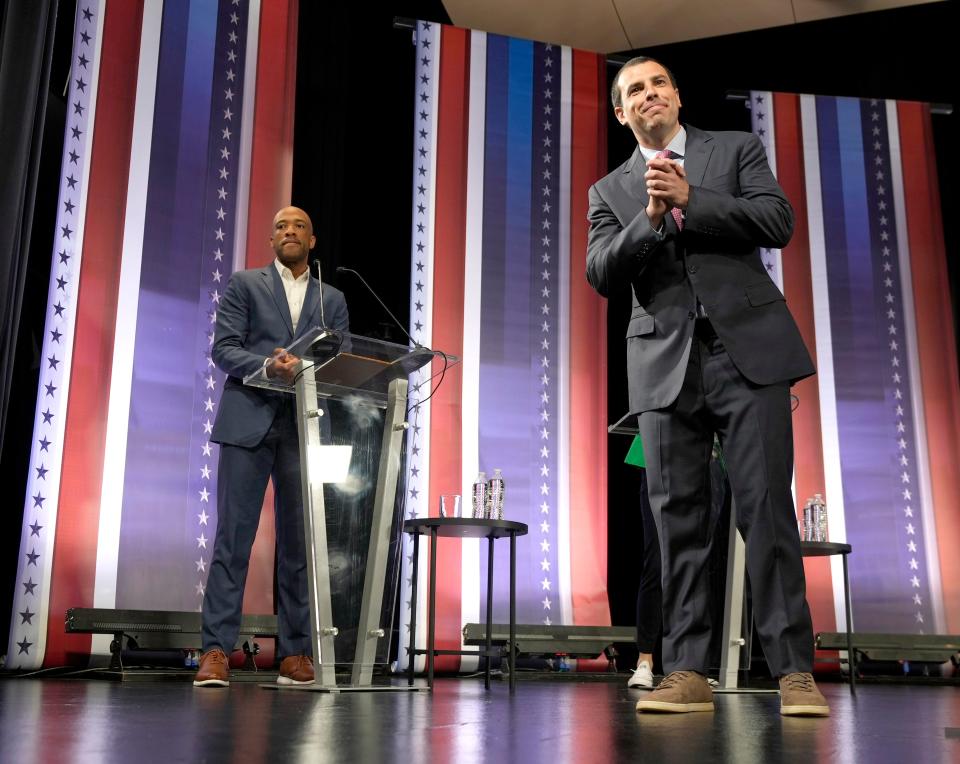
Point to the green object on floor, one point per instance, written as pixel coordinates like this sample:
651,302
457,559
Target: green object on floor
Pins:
635,453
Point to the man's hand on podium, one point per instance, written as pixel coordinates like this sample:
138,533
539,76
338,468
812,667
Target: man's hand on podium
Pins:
283,365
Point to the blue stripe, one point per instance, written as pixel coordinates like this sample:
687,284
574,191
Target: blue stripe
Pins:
158,518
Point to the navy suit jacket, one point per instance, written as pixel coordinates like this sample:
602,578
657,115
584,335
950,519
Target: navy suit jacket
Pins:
735,206
253,319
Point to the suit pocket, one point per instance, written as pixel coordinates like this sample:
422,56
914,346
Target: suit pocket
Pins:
640,325
763,294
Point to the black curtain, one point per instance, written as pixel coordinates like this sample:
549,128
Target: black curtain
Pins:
27,33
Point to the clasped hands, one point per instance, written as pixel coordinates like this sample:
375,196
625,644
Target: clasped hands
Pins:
282,364
667,188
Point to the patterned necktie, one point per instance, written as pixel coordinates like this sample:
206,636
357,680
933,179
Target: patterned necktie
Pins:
677,215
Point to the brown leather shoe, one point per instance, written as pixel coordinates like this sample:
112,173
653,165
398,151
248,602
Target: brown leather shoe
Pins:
679,693
296,669
214,669
799,696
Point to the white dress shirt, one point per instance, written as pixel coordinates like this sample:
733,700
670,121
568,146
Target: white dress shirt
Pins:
295,289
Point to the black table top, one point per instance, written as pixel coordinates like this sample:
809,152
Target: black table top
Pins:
823,548
465,527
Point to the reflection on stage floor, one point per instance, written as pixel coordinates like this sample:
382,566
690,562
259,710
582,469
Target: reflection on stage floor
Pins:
549,721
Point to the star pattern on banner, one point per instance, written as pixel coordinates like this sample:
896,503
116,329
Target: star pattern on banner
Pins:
418,469
761,116
43,479
544,317
890,320
216,264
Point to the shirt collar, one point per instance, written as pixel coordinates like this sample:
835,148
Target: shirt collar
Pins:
287,275
678,146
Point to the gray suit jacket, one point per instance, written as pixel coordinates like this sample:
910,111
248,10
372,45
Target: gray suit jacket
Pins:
735,206
253,318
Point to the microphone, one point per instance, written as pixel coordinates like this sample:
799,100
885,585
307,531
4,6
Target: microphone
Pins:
383,305
323,320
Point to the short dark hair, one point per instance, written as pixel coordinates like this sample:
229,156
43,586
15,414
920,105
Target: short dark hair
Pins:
615,97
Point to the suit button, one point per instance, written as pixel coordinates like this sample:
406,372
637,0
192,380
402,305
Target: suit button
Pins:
691,269
691,315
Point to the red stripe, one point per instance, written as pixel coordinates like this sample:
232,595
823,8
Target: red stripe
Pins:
798,289
271,164
588,357
446,468
78,514
271,178
936,342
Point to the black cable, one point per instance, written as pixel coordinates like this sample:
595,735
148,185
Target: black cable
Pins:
442,372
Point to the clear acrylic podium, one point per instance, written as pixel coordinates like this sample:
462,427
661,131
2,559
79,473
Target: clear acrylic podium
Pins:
351,394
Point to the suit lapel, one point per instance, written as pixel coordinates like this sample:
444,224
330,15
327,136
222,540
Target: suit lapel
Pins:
632,178
273,284
311,302
699,148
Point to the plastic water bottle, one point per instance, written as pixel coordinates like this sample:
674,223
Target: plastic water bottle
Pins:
480,496
807,524
820,517
495,496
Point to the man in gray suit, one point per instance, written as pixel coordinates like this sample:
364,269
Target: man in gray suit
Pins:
261,311
711,348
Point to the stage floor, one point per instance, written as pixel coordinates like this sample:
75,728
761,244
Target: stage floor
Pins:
545,721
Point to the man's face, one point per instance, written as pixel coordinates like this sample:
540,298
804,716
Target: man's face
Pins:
650,103
292,237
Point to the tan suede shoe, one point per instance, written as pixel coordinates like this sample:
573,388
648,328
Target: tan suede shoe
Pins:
799,696
679,693
296,669
214,670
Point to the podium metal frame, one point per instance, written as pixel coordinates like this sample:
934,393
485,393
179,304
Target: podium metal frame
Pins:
383,383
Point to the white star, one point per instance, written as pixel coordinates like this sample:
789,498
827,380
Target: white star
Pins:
201,565
915,582
904,477
544,397
911,547
546,622
913,563
205,471
917,599
544,564
211,383
546,206
234,19
232,36
544,546
219,234
203,517
908,511
545,362
226,133
230,75
544,451
207,427
224,173
221,193
545,327
546,603
199,588
544,416
545,309
544,433
544,470
217,275
218,255
204,494
202,541
910,529
206,448
224,153
208,404
227,114
231,56
544,489
919,618
544,380
544,508
228,94
545,292
545,584
544,527
906,494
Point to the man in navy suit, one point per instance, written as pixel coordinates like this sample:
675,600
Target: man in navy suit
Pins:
262,311
711,348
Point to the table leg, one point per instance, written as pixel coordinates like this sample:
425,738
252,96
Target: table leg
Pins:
513,611
432,626
851,656
489,643
411,655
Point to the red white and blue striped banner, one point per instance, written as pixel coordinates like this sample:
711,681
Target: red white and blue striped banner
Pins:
509,134
877,430
170,150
